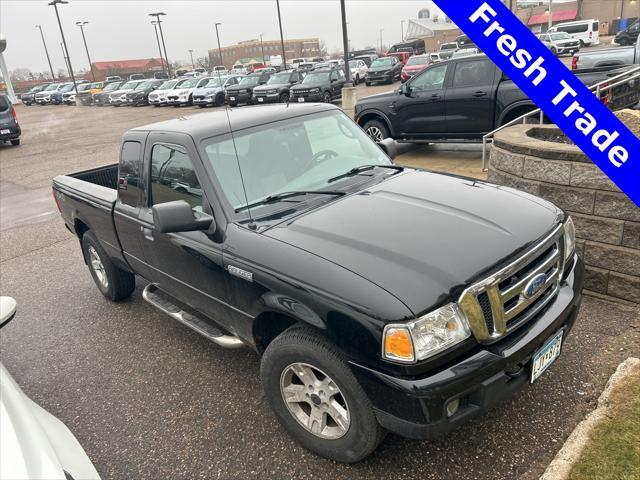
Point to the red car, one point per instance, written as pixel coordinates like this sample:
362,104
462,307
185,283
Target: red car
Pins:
402,56
415,64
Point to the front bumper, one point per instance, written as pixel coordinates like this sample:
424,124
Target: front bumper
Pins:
202,100
416,408
134,101
571,49
237,98
266,98
376,77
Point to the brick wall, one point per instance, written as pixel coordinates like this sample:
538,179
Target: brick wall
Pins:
607,222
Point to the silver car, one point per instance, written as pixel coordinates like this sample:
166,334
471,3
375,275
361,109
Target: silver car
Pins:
560,43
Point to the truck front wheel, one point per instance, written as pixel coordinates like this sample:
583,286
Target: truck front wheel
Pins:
114,283
316,397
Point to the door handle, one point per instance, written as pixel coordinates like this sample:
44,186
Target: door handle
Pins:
480,94
148,233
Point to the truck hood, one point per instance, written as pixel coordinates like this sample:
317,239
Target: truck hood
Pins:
425,235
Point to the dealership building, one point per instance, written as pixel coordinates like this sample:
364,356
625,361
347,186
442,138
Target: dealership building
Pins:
252,50
124,68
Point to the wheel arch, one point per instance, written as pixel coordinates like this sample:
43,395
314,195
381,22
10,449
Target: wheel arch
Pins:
367,115
514,111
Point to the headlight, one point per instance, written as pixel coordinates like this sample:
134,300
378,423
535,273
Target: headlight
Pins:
425,336
569,238
271,92
315,90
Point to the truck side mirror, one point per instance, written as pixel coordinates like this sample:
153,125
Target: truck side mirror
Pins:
405,89
7,309
177,216
389,146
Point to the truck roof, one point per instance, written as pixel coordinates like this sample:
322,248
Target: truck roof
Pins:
203,125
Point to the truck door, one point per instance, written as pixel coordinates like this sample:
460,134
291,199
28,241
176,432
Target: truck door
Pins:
421,110
470,98
126,213
187,265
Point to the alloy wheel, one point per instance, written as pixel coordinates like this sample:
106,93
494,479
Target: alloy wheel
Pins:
315,401
375,133
98,267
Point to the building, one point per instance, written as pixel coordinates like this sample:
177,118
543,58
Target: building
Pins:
613,15
250,50
433,26
124,68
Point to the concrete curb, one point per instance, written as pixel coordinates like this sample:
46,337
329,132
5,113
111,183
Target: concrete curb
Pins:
565,459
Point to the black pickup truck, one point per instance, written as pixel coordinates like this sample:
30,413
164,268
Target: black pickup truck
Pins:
461,99
381,298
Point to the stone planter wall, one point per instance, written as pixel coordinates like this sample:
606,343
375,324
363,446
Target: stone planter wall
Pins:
607,222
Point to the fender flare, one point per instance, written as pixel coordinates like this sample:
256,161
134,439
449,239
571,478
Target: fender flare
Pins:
382,115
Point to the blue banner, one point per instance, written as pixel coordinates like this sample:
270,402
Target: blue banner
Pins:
553,87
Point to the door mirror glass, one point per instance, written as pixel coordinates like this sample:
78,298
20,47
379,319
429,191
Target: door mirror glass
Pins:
178,216
7,309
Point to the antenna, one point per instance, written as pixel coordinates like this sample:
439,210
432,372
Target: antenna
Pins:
252,225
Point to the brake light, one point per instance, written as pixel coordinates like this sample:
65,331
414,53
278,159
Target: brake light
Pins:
606,97
590,34
13,114
574,62
55,199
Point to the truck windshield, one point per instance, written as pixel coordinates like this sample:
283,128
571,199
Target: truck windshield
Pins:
299,154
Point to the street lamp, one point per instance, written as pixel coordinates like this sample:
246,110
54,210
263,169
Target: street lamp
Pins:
164,47
219,49
402,30
55,3
81,25
381,30
193,65
549,12
162,60
262,48
53,77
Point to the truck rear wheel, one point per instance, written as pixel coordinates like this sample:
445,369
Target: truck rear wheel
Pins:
114,283
316,397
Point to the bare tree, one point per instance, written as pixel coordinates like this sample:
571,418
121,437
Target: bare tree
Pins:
203,62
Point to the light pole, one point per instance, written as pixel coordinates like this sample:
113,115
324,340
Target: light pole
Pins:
219,48
262,48
550,20
164,47
66,63
381,52
81,25
193,65
402,30
345,46
64,42
162,60
53,77
284,58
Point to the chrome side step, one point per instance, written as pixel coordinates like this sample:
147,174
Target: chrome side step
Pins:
154,296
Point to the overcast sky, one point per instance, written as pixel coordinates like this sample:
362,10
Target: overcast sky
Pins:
120,30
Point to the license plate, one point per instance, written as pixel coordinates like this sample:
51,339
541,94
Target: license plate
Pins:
544,357
3,131
301,99
260,99
233,99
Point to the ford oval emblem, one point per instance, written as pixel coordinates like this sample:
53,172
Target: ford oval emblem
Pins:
534,285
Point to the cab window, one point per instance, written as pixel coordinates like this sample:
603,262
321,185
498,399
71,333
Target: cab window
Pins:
431,79
476,72
129,179
173,176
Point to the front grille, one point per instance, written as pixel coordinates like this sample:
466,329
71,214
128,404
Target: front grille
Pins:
198,97
515,294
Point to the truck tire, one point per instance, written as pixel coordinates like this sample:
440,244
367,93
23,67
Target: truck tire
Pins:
114,283
376,130
300,363
326,98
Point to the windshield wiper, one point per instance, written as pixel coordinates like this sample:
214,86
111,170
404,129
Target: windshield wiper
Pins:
363,168
284,195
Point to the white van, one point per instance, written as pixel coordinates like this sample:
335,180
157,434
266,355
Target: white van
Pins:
587,31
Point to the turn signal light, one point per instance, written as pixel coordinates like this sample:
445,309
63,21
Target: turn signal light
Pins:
398,344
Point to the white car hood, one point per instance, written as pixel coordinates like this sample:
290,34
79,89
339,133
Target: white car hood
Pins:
33,443
161,92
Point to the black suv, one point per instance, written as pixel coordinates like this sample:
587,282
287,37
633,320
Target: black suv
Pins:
102,98
278,86
9,127
140,96
243,91
321,85
384,69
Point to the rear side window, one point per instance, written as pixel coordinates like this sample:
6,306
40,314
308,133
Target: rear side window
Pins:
595,26
173,176
129,178
4,103
477,72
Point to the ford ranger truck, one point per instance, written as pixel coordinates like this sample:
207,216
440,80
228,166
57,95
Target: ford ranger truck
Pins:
380,298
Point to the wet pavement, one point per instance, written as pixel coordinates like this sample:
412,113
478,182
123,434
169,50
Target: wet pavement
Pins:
150,399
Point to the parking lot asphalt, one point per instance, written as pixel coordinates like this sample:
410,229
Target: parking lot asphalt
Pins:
150,399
